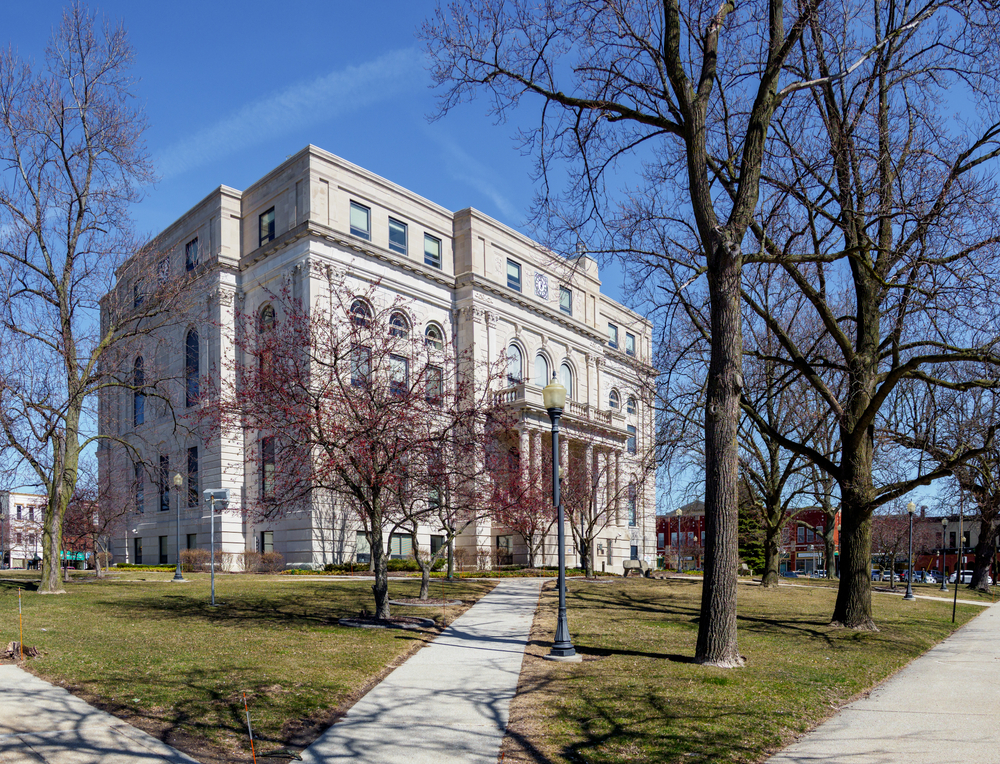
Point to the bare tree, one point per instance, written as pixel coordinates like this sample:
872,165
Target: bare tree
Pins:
346,400
689,92
940,424
73,161
880,211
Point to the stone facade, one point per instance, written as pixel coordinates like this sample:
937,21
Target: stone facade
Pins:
318,220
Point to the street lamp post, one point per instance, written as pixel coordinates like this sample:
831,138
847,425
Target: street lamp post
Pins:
178,482
678,545
554,398
910,509
944,533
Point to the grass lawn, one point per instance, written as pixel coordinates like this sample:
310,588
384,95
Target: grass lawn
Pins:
158,655
637,697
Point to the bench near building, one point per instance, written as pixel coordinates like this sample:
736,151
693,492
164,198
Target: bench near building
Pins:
318,221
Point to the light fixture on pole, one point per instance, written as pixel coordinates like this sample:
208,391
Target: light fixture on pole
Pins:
910,509
178,482
218,496
554,399
944,577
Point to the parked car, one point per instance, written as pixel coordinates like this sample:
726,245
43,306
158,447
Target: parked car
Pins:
888,575
790,574
876,575
818,574
967,578
925,577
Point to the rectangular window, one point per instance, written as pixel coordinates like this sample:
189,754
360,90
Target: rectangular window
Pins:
163,270
266,541
31,513
362,548
432,251
400,546
566,300
267,467
18,539
266,227
361,365
801,534
163,550
630,444
397,236
434,499
810,535
399,375
633,552
514,275
361,221
31,539
140,488
436,543
631,506
164,483
138,293
660,539
20,509
191,254
137,550
629,344
435,385
192,541
952,539
193,476
613,336
673,538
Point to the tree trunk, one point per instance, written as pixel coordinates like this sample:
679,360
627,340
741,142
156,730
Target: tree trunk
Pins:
854,595
717,626
985,552
829,547
381,568
772,557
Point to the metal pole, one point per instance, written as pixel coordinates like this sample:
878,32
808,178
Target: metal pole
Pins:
944,554
909,563
562,647
177,575
211,515
958,563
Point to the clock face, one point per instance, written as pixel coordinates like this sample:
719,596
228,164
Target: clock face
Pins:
542,286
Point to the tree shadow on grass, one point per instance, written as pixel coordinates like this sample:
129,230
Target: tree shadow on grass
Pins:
12,585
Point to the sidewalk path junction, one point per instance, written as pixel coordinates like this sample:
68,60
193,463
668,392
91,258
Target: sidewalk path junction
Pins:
943,707
41,723
449,702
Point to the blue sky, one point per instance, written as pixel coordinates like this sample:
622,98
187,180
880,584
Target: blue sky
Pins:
233,88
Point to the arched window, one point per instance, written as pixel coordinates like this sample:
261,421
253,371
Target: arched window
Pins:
398,325
613,400
138,396
566,377
434,337
265,319
192,357
541,370
361,314
515,365
630,405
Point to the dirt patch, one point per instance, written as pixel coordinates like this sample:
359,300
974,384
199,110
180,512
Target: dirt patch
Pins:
395,622
429,602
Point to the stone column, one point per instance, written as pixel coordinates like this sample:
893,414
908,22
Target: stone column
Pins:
618,487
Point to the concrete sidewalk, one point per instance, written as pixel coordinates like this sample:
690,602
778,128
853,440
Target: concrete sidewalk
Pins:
943,707
448,702
42,723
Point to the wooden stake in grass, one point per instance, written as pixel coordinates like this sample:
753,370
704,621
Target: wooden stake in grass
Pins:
249,729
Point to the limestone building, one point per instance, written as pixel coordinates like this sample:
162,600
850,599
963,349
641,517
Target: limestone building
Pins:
468,280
